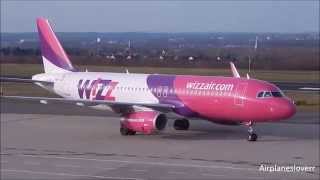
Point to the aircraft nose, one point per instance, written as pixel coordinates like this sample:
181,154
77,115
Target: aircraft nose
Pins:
285,109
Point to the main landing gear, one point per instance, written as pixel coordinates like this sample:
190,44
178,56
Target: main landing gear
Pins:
181,124
125,131
252,136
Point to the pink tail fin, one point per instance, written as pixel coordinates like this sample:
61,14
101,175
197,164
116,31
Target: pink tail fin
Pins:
55,60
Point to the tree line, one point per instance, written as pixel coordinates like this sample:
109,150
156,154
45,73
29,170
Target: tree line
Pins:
280,58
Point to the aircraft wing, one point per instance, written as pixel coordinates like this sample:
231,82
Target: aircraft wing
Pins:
117,106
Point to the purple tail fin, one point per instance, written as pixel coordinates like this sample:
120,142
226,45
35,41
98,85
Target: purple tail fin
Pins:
55,60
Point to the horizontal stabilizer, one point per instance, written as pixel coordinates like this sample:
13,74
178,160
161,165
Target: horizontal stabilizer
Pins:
21,80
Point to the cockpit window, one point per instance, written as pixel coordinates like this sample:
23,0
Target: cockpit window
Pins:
265,94
277,94
260,94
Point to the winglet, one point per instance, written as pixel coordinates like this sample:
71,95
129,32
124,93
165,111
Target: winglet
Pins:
248,77
234,70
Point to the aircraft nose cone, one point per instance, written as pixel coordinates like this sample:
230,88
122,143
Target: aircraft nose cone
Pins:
285,109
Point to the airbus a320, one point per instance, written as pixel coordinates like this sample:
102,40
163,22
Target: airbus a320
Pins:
143,100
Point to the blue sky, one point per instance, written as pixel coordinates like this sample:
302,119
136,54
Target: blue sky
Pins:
163,16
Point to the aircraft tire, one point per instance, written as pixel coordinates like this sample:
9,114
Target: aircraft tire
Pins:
252,137
124,131
132,133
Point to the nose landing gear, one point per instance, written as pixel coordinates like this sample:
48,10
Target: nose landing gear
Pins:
252,136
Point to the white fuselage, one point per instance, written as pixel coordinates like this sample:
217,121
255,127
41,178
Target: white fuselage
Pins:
127,87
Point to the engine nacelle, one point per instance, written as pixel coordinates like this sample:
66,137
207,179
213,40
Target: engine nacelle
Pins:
144,121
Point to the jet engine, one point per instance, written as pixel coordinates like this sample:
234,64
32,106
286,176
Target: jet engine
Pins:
146,122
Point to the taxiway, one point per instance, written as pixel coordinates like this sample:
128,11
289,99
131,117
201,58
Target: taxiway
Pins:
69,142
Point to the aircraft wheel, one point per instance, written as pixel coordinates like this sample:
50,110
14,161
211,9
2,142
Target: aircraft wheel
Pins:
252,137
131,132
124,131
181,124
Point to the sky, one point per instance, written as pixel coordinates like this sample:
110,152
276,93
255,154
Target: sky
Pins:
162,16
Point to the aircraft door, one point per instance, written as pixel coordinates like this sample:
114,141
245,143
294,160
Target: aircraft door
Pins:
239,98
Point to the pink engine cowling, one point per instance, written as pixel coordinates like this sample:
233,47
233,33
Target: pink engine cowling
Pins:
144,121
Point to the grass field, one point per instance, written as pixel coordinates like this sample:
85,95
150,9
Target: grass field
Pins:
297,76
306,101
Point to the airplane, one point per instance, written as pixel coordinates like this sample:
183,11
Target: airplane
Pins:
143,100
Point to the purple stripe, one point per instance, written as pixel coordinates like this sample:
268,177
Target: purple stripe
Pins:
167,81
